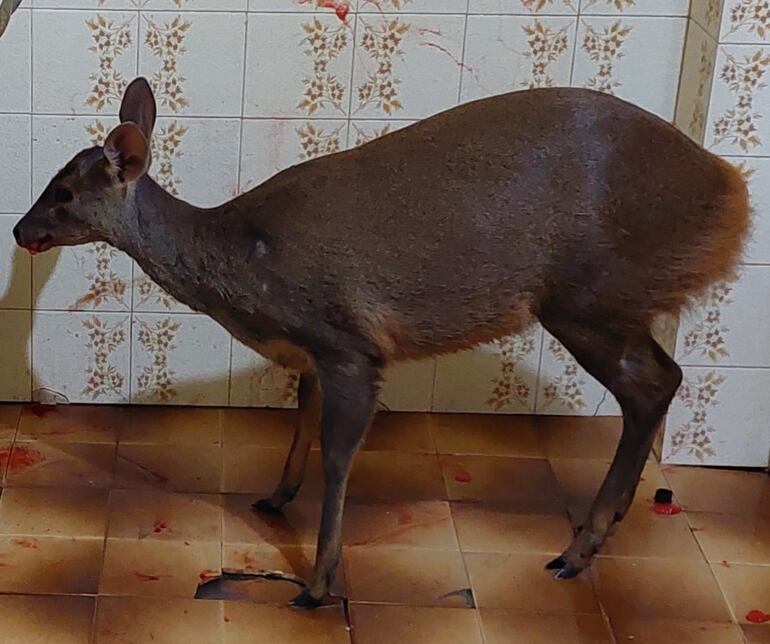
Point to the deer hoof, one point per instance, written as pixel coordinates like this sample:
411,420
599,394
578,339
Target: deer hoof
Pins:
265,506
306,600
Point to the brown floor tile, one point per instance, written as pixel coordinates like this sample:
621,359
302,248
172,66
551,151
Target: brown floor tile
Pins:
396,476
296,525
155,568
415,577
747,589
519,582
659,589
61,512
9,420
373,624
506,626
756,634
521,484
578,437
46,565
41,464
419,525
488,529
655,631
173,426
72,423
284,625
178,468
259,427
405,432
154,514
6,447
732,538
720,490
28,619
486,435
642,533
134,620
257,471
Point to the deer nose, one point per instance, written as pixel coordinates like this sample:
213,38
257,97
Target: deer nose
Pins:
17,233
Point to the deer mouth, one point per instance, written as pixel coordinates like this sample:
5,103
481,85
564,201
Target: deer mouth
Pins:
39,245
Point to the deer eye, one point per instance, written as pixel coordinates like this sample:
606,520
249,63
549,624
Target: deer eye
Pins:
62,195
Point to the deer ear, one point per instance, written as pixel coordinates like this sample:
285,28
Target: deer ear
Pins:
138,106
128,152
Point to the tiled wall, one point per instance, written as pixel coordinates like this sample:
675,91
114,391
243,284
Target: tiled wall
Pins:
722,413
248,88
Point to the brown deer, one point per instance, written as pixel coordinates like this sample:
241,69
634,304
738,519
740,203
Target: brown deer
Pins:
563,205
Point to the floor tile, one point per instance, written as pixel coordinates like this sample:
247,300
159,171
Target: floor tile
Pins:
257,471
72,423
178,468
756,634
720,490
655,631
41,464
414,577
377,624
50,565
483,528
578,437
61,512
506,626
486,435
747,589
173,426
521,484
520,582
396,476
284,625
259,427
732,538
41,619
405,432
296,525
659,589
130,620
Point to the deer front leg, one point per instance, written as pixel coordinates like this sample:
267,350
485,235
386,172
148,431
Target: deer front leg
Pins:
349,395
309,403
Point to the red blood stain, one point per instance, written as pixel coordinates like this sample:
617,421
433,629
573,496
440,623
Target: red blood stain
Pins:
142,577
404,516
227,619
20,457
341,9
41,411
463,476
208,574
725,563
666,508
696,529
160,526
26,543
757,617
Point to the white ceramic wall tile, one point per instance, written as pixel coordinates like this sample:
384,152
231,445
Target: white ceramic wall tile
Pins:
316,54
194,61
496,378
15,268
757,171
524,7
408,386
412,6
708,14
737,118
82,60
257,382
362,131
638,59
298,6
720,417
745,21
88,4
82,356
407,66
730,325
15,133
505,53
179,359
15,347
269,146
564,387
696,82
635,7
193,5
16,68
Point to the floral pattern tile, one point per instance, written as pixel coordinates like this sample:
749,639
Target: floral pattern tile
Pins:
745,21
696,82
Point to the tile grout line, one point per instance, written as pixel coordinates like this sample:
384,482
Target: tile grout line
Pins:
31,196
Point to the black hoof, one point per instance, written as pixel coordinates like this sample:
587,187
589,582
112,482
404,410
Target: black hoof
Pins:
264,505
568,572
556,564
306,600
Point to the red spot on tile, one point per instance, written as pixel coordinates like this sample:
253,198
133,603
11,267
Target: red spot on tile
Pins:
142,577
463,476
227,619
757,617
666,508
341,9
20,457
725,563
41,411
160,526
404,516
26,543
208,574
696,530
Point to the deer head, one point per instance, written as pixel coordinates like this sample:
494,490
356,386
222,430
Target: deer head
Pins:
88,199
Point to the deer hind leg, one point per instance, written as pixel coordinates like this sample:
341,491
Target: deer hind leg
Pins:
643,379
308,427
